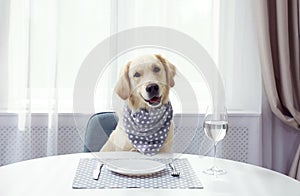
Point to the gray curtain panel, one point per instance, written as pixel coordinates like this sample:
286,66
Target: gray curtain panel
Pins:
278,35
278,27
295,168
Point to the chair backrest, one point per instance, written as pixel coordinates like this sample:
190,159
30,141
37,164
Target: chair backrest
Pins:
98,129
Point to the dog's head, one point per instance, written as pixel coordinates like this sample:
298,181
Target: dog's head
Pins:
146,81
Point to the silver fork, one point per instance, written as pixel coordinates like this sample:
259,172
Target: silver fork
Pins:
174,172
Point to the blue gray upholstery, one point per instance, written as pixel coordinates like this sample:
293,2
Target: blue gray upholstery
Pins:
98,129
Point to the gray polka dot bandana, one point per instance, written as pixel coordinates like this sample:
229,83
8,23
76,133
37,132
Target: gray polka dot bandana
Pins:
148,130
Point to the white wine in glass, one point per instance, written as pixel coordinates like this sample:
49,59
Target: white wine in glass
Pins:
215,126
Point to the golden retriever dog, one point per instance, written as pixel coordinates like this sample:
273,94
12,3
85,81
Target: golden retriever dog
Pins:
146,122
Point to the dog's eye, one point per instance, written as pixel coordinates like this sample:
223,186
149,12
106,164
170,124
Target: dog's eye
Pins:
137,74
156,69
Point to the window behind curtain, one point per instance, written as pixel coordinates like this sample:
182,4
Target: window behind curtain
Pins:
48,41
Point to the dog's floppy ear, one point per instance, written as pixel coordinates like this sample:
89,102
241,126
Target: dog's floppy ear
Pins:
170,69
122,87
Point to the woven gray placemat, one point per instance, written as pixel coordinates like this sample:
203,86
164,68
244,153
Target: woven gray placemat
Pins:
163,179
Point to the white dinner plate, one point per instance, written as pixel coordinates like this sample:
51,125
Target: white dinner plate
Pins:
135,167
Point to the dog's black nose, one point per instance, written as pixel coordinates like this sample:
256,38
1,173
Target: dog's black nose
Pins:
152,89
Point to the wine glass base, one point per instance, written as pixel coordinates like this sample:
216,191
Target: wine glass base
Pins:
214,171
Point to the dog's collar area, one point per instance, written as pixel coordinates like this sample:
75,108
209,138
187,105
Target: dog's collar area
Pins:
147,130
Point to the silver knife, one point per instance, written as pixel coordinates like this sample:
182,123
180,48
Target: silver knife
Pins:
97,171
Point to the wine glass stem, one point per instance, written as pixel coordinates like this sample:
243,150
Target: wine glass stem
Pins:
215,154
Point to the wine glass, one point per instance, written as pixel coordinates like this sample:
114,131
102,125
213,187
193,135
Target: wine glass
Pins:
215,126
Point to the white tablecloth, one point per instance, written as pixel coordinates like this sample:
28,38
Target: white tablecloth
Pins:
54,176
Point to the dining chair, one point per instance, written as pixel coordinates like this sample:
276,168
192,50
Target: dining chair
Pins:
98,130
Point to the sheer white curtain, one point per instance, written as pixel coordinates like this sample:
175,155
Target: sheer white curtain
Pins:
32,68
45,43
225,29
239,57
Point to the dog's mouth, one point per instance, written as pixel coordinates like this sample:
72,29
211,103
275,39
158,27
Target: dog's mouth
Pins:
154,101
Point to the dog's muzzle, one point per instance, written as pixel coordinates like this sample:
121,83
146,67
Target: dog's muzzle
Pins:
153,94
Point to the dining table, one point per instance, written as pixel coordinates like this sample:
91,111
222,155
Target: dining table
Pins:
55,175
